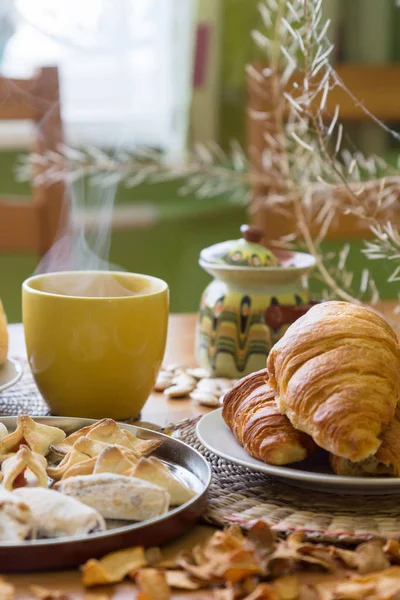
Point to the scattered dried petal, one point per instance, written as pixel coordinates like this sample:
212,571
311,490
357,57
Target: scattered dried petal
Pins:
224,594
392,550
239,565
371,557
153,557
263,539
287,588
113,567
181,580
264,591
153,584
45,594
7,591
384,585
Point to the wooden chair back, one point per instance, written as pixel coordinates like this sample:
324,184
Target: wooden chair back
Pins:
377,87
28,225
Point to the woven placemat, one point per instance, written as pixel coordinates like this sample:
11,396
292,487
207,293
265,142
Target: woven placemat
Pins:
23,397
239,495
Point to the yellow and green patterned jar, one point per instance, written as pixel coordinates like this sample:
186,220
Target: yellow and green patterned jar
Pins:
254,297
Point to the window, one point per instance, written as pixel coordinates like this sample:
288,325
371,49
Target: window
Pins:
125,66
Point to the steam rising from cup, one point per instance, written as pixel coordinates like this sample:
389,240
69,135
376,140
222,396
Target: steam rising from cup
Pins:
84,244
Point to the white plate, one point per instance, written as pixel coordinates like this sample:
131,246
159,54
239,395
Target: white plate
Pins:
10,373
313,473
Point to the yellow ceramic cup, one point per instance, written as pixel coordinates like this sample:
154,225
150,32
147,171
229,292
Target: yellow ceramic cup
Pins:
95,340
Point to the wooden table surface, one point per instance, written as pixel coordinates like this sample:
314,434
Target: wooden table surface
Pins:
159,410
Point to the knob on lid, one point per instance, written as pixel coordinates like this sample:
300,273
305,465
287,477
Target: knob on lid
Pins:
244,252
252,233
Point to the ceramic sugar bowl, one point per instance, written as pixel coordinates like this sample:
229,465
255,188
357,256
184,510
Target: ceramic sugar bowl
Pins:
254,297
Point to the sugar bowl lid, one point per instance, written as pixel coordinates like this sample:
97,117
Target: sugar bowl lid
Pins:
244,252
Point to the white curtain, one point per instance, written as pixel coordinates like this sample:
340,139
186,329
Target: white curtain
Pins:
125,66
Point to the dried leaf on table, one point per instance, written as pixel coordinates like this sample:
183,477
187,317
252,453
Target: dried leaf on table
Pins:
263,539
287,588
292,555
234,531
153,556
45,594
371,557
392,551
113,567
248,585
239,565
226,556
224,594
153,585
384,585
7,591
264,591
347,557
181,580
203,572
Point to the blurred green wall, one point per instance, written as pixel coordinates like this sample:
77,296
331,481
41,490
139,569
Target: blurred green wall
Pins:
169,249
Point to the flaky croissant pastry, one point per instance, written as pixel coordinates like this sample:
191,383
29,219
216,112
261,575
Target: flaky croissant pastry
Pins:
386,462
251,413
336,372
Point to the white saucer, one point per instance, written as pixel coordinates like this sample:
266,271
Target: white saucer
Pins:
10,373
313,473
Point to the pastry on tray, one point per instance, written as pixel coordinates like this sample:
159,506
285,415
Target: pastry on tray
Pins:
74,457
154,471
96,473
16,520
36,436
3,431
114,459
56,515
16,468
107,431
336,373
117,496
251,413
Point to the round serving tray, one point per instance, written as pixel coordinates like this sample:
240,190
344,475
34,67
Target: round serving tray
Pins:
62,553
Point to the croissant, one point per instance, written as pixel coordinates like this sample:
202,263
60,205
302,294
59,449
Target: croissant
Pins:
385,462
251,413
336,372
